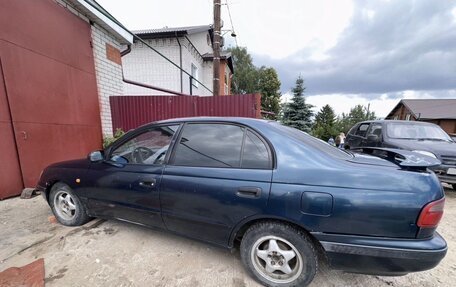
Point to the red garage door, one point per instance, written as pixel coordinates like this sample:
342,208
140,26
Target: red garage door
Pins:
10,173
49,89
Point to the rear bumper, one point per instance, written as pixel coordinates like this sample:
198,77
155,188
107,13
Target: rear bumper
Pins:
441,172
447,178
383,256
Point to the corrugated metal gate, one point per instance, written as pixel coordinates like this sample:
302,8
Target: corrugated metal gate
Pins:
48,92
129,112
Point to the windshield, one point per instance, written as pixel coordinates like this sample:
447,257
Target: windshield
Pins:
313,142
416,131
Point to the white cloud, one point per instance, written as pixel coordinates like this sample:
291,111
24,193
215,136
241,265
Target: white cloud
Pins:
340,47
381,104
268,27
369,14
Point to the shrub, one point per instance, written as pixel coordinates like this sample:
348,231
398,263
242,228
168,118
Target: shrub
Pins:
108,140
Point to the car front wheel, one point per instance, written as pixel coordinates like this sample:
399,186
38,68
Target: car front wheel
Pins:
66,206
278,254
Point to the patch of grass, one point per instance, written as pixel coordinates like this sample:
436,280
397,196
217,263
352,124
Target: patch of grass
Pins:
109,140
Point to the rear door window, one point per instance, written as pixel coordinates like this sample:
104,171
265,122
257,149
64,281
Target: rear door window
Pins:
209,145
375,129
255,153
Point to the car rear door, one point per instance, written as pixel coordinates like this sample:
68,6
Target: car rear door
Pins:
374,136
218,175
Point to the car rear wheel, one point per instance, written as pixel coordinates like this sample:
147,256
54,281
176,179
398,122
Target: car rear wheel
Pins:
278,254
454,186
66,206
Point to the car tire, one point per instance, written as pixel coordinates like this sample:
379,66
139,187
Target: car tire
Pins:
278,254
66,206
454,186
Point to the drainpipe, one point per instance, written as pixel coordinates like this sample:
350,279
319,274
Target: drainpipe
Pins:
180,63
126,51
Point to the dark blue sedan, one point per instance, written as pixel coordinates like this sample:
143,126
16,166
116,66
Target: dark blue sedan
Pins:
282,196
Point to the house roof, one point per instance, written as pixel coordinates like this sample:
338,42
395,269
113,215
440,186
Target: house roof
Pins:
224,56
172,32
96,13
430,109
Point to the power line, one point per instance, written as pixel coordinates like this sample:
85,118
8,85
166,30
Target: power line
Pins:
231,20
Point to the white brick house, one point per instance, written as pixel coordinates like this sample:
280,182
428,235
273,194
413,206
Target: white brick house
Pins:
107,40
189,47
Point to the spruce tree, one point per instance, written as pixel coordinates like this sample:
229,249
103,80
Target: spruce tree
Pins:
325,124
297,113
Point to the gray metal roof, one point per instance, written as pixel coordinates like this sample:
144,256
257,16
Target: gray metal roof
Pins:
430,108
166,30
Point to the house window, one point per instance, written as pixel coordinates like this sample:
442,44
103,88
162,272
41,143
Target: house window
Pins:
396,117
407,117
194,76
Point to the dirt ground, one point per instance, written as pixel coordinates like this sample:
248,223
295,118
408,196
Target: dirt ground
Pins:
113,253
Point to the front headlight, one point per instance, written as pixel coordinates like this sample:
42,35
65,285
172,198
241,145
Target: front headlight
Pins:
425,153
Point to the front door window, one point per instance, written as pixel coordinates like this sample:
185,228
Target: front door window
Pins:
149,147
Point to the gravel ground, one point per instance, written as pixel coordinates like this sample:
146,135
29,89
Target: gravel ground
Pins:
113,253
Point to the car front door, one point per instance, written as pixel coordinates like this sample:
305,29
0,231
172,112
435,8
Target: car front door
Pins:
219,174
126,185
374,136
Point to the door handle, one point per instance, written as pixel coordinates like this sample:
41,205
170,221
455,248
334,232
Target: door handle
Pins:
150,183
248,191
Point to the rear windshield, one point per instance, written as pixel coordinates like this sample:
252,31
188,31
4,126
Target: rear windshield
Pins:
312,141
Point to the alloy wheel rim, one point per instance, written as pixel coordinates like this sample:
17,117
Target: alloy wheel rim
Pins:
276,259
64,205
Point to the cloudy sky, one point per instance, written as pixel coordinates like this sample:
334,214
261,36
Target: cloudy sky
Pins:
348,52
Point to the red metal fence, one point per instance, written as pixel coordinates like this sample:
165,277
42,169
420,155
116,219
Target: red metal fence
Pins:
129,112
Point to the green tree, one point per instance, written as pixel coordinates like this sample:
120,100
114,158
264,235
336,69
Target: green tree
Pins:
298,113
325,124
248,79
269,87
357,114
245,73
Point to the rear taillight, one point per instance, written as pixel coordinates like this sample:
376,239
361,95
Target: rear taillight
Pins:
431,214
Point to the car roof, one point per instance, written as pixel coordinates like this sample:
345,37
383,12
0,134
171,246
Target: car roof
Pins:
212,119
396,121
240,120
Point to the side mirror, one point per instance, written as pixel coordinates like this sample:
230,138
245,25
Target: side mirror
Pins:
372,138
96,156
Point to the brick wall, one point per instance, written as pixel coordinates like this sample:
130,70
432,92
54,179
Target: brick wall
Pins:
108,66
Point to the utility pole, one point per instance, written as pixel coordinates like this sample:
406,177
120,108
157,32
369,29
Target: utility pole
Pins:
216,47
